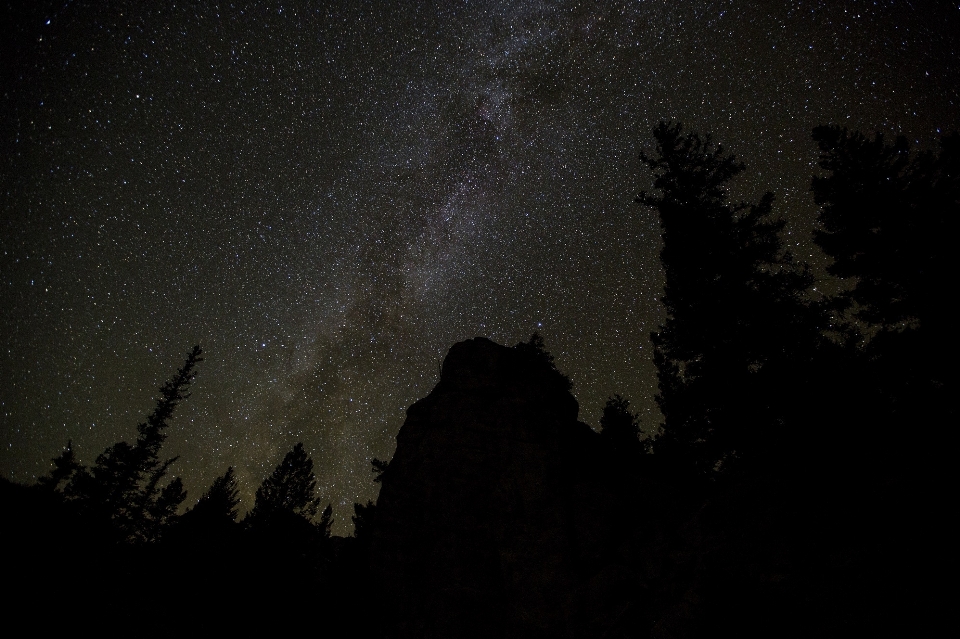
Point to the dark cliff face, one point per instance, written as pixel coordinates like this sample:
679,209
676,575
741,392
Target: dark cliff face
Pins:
486,524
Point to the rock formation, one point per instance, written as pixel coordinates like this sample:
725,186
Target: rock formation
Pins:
493,516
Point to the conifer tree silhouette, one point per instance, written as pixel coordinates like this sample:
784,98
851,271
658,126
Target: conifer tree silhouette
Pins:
220,502
64,466
886,219
734,306
289,490
125,485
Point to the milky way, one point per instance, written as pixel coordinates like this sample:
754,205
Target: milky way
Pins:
327,197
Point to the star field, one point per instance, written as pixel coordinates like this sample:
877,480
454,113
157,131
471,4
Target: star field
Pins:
327,196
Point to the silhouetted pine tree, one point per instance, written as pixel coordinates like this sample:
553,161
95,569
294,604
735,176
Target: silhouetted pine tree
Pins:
736,324
220,502
326,521
285,547
64,466
886,218
125,485
289,490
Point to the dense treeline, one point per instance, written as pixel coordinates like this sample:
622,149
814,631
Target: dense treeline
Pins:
812,428
109,542
803,438
745,349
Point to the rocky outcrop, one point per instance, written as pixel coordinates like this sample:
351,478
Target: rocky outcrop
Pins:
493,518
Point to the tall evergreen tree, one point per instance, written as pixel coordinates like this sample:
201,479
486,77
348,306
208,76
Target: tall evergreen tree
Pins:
285,546
326,522
887,213
289,490
734,311
886,219
126,484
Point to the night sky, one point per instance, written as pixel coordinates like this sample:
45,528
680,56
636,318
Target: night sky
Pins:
326,196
